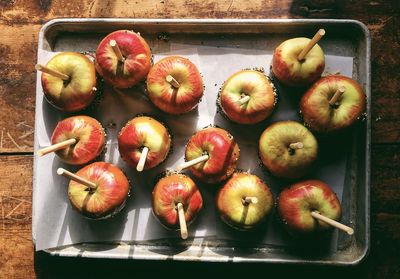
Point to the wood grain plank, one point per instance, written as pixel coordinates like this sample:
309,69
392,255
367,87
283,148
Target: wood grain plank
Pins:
16,250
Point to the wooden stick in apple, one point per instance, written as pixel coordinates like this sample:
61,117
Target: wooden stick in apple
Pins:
249,200
182,221
243,100
172,81
339,92
193,162
52,72
331,222
296,145
57,146
72,176
117,50
142,160
311,44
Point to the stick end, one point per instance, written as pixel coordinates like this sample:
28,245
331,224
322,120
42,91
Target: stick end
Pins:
350,231
60,171
184,235
38,67
113,43
321,32
342,88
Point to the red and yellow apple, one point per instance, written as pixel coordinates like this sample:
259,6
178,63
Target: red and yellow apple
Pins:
288,149
247,97
109,196
169,191
141,132
79,90
135,64
244,202
291,71
296,202
174,85
322,115
89,135
222,150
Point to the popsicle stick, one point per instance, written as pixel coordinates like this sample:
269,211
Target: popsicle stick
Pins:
311,44
52,72
142,160
249,200
117,50
76,178
331,222
339,92
193,162
243,100
182,221
296,145
172,81
56,147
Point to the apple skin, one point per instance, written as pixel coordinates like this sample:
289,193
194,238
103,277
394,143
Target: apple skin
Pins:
169,191
137,55
260,90
107,199
296,202
144,131
276,155
167,98
89,134
75,94
320,116
292,72
230,201
223,154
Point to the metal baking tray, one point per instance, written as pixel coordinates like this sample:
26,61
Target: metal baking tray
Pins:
346,37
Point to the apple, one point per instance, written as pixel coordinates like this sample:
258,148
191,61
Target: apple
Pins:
323,113
107,198
296,202
134,65
244,201
171,190
291,71
288,149
247,97
78,90
144,132
89,138
222,151
174,85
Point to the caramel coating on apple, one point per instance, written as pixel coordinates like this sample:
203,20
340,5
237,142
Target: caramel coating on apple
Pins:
174,85
247,97
90,139
169,191
321,116
292,72
279,157
140,132
107,199
223,152
136,56
245,201
296,202
77,92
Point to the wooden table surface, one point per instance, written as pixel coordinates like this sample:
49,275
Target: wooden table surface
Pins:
20,21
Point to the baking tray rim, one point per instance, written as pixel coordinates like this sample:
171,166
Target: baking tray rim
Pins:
367,36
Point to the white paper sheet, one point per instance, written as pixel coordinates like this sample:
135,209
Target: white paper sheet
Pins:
57,224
